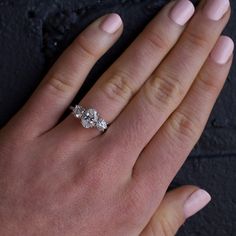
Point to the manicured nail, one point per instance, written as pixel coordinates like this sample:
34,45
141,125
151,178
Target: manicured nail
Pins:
111,23
223,50
215,9
195,202
182,11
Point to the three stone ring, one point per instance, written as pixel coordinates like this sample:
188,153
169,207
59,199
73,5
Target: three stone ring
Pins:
89,118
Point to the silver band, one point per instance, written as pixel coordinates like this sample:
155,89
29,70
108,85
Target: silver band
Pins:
89,118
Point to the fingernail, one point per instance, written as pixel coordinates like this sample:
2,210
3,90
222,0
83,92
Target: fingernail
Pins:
111,23
223,50
215,9
182,11
195,202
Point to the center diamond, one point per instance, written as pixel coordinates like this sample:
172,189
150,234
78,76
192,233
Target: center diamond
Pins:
89,118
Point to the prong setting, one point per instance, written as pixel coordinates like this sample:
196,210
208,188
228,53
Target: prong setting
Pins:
89,118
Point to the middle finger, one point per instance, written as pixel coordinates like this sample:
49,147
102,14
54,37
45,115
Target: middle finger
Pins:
169,84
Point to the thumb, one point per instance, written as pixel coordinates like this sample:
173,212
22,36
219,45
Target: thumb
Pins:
175,208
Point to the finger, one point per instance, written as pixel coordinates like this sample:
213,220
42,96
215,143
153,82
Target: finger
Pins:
122,80
166,152
175,208
62,82
168,85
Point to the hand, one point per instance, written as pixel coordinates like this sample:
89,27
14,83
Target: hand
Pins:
58,178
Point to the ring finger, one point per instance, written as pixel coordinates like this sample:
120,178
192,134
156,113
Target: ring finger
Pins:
122,80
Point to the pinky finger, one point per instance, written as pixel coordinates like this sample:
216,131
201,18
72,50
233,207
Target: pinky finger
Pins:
181,131
65,78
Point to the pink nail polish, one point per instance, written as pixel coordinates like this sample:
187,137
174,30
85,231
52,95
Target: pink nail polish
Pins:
215,9
111,23
223,50
182,11
195,202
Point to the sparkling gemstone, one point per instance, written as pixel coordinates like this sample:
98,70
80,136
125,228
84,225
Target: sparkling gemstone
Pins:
89,118
101,124
78,111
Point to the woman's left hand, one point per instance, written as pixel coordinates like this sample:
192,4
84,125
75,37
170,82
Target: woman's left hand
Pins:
58,178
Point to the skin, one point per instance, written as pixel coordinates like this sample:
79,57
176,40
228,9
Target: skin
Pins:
57,178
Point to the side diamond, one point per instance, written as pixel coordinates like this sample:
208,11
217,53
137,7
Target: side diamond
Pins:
78,111
101,124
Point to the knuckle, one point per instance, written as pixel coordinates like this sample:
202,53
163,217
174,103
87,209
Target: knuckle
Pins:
167,227
58,84
163,89
183,125
209,83
195,41
84,46
119,87
156,41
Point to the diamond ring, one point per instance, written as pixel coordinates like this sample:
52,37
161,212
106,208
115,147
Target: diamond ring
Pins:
89,118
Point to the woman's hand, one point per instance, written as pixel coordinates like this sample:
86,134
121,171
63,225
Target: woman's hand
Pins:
58,178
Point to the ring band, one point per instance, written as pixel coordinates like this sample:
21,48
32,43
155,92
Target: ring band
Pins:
89,118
